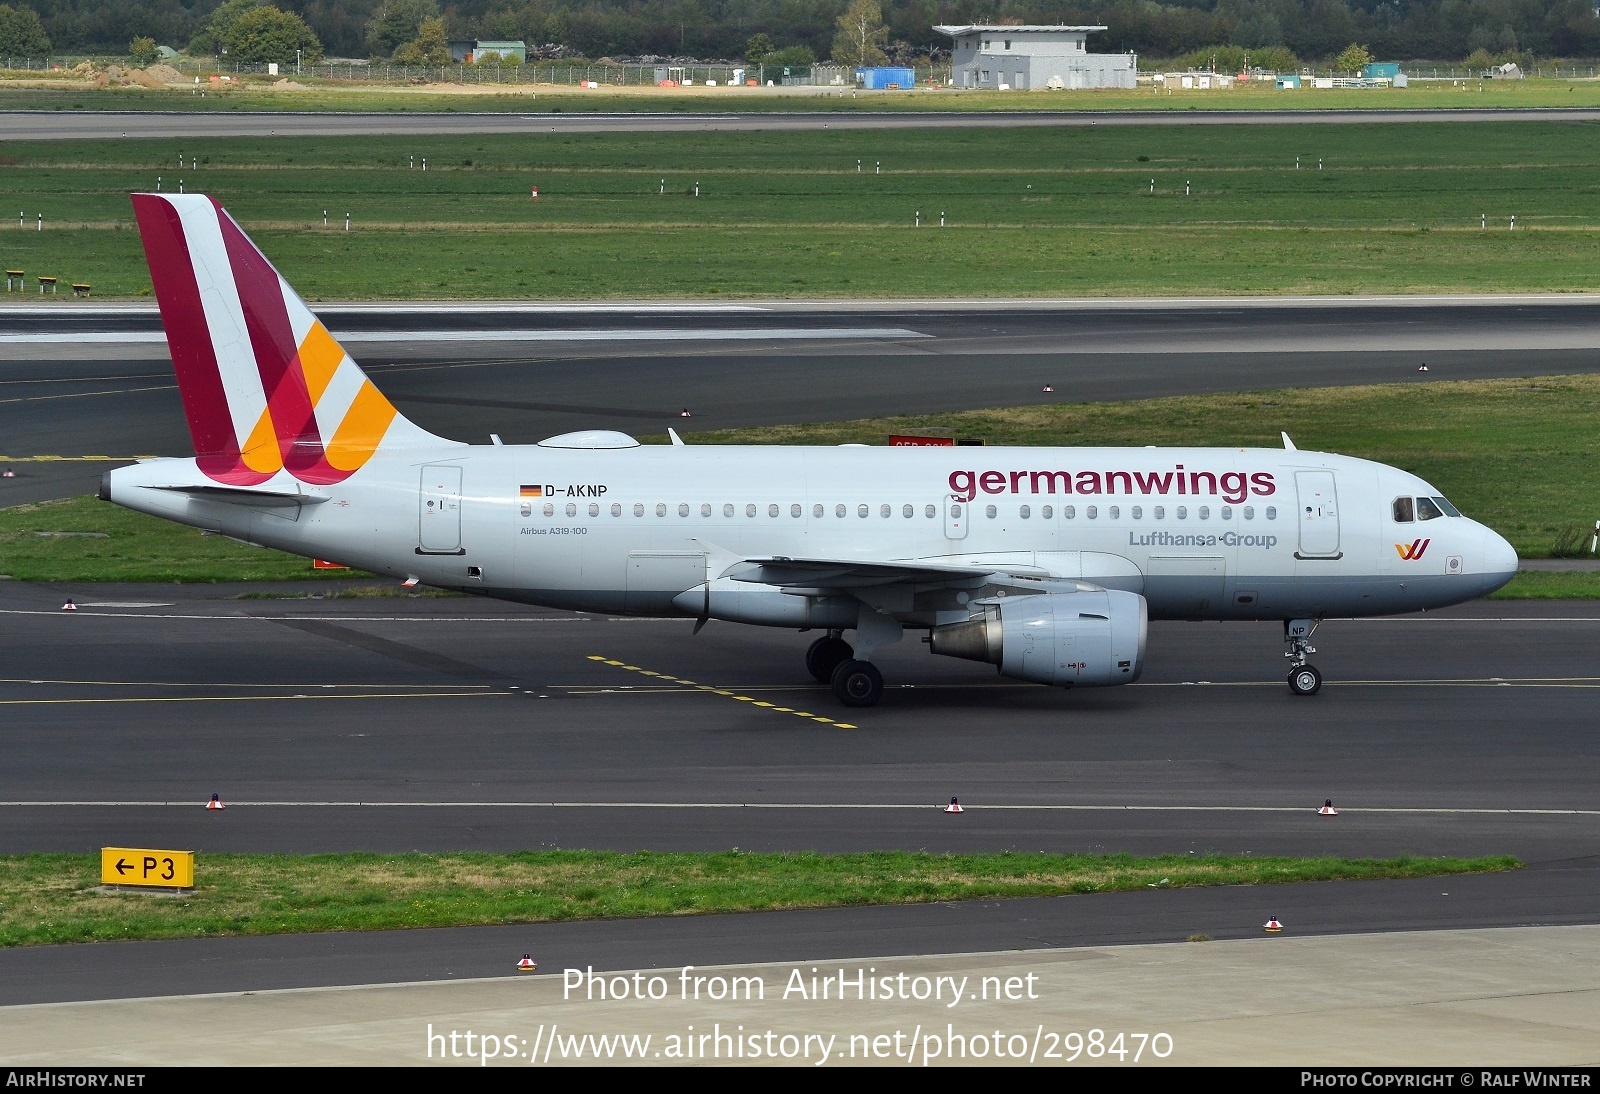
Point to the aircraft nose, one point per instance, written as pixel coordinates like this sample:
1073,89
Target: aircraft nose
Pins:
1499,557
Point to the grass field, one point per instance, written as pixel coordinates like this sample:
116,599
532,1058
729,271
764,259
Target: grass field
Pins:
1518,455
1068,212
53,898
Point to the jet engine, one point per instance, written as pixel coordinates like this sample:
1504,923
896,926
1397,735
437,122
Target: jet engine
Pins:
1091,638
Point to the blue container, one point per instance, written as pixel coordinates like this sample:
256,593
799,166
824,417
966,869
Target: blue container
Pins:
884,79
1381,70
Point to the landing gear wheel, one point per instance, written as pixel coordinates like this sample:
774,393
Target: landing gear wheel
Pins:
1305,680
825,655
857,684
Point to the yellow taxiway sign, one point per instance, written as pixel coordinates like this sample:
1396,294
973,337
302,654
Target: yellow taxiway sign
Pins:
145,866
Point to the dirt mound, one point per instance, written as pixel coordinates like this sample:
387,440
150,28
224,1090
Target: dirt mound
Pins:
288,85
144,79
166,74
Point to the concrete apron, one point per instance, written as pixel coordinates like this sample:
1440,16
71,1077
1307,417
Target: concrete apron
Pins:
1508,996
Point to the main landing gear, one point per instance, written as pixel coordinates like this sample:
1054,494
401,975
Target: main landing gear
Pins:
1304,679
831,660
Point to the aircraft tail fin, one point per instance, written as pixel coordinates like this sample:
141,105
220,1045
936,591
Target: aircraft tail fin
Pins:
265,387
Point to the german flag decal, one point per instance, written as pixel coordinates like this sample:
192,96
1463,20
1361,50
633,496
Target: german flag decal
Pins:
532,491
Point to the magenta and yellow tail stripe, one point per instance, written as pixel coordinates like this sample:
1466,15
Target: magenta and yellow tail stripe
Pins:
251,359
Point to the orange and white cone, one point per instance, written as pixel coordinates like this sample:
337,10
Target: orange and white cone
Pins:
215,803
1327,809
954,807
8,474
1273,926
1422,367
69,606
1049,387
527,964
685,413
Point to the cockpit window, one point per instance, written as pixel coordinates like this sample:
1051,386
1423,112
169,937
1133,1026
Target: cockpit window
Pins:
1427,510
1402,511
1447,507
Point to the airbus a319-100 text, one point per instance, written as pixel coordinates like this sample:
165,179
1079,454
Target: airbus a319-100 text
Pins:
1046,562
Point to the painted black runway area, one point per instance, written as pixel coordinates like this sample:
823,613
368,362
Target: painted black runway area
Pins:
150,124
1462,732
119,399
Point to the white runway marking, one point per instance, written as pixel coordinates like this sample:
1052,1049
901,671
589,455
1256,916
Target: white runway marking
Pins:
761,334
934,807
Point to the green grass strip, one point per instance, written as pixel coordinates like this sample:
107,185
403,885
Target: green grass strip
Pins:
55,898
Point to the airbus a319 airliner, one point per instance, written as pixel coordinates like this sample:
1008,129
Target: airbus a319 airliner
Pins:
1046,562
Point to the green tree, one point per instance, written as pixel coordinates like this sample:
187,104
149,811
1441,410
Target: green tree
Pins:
428,48
208,40
861,35
1480,59
1353,58
1274,59
791,56
142,51
21,33
757,48
267,34
397,22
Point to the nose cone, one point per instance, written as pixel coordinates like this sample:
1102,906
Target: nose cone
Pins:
1499,560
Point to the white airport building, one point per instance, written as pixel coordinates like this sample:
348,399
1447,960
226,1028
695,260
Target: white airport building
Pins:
1027,58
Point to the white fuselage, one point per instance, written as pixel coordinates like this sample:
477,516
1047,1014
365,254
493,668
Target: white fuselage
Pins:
1201,533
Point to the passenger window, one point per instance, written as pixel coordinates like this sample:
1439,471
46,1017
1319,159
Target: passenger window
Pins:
1449,509
1227,512
794,510
527,508
772,509
572,508
1402,511
1025,512
727,509
955,511
1068,512
816,510
1249,512
861,510
594,509
549,509
1091,511
907,511
1272,512
705,509
638,508
683,508
884,510
1205,512
1183,512
989,511
930,512
1046,512
1115,512
616,508
750,509
838,510
1426,510
1160,512
1138,512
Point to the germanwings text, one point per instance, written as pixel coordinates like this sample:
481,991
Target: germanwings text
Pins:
1232,486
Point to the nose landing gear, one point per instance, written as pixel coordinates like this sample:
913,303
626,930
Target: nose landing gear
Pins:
1304,679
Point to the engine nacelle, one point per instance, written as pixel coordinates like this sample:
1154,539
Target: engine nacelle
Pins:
1080,639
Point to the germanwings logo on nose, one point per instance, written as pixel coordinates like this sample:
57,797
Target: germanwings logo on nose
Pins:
1413,550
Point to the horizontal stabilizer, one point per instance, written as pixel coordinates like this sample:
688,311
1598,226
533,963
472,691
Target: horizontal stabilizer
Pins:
245,496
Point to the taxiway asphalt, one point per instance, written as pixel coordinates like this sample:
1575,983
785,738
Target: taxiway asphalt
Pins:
455,724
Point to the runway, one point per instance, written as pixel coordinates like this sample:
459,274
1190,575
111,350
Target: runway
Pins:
536,118
472,725
96,381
